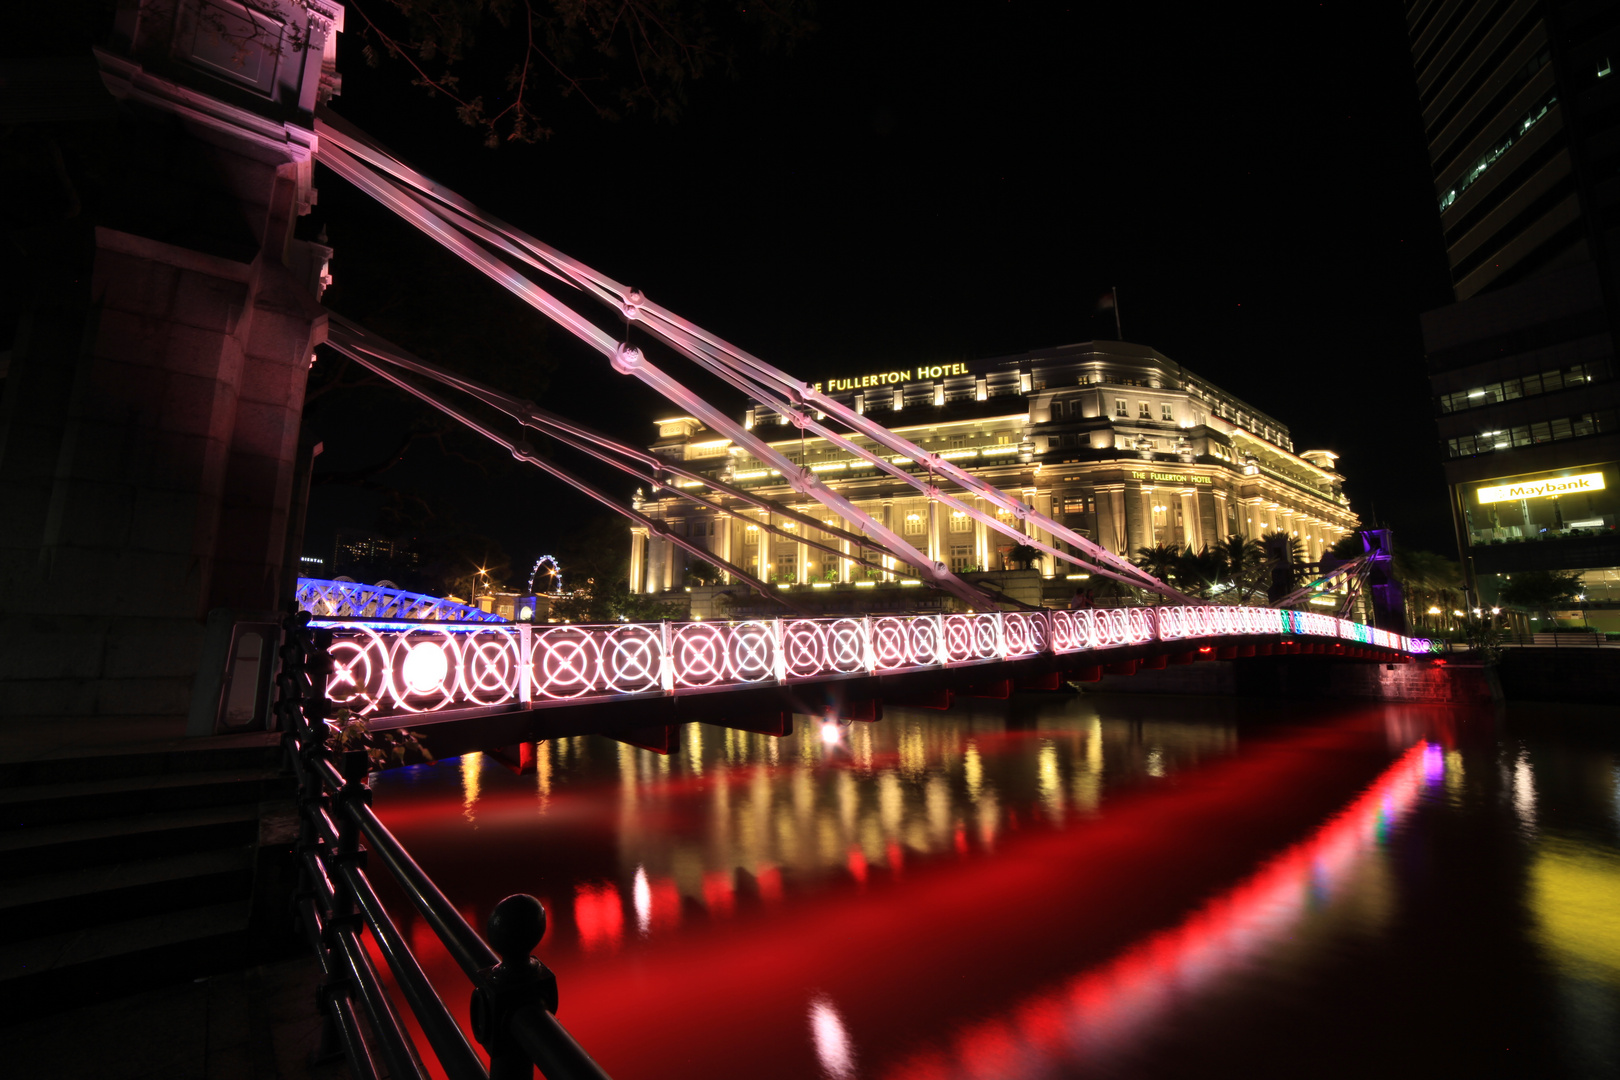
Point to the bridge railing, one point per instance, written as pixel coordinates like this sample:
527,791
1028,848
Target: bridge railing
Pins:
341,842
391,669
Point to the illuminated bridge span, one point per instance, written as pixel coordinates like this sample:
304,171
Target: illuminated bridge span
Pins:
351,600
386,670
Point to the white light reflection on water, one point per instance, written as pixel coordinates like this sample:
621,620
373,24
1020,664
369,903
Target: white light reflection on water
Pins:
834,1049
642,893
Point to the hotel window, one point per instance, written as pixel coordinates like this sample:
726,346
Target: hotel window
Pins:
914,524
958,441
1080,504
787,566
1145,412
1122,408
751,534
961,557
1167,413
960,522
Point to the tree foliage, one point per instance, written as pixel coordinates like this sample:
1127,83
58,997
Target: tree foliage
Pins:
1233,570
503,65
1541,590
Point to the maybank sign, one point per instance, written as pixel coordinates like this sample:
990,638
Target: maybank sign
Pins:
1540,489
890,378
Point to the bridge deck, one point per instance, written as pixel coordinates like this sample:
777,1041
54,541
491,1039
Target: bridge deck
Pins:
402,673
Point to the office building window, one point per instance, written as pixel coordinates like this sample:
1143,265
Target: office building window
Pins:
1570,427
1167,413
1544,382
914,524
1122,408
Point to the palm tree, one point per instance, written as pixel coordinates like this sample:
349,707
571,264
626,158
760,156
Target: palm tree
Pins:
1160,560
1284,554
1245,566
1202,571
1429,581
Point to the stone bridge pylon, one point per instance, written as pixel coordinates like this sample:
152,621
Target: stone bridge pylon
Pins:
151,471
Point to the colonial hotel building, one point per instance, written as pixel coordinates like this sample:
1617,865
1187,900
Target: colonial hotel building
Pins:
1115,440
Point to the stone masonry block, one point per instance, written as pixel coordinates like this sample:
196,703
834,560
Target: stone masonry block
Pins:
261,430
129,338
206,354
46,647
208,303
166,521
129,283
277,385
47,697
182,462
115,391
94,512
197,406
149,648
168,696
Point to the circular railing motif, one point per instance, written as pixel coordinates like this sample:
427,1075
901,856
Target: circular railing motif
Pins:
632,658
804,647
699,654
567,662
422,671
489,668
890,640
750,651
922,640
357,675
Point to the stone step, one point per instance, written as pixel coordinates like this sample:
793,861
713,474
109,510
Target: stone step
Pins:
70,845
83,800
53,903
43,974
259,751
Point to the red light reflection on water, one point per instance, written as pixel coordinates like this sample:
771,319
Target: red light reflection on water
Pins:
1110,1005
911,975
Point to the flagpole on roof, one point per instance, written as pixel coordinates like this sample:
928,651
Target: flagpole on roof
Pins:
1114,289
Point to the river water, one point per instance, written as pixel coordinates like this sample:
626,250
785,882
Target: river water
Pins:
1096,885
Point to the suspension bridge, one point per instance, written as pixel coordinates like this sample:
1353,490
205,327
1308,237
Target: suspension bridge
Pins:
647,677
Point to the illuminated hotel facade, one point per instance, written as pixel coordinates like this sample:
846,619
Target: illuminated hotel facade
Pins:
1113,439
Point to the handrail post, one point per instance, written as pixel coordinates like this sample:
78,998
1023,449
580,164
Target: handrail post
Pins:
515,927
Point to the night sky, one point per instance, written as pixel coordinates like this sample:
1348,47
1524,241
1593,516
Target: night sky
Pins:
951,181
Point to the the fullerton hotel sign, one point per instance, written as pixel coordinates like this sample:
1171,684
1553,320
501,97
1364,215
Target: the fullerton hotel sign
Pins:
891,378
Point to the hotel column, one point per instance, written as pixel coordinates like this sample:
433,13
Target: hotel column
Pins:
671,579
638,559
935,514
981,538
885,514
1138,533
1191,528
1043,505
762,570
801,556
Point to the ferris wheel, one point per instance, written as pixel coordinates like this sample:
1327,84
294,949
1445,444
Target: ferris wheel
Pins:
554,573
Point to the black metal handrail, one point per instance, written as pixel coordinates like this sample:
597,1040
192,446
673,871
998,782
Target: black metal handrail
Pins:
514,996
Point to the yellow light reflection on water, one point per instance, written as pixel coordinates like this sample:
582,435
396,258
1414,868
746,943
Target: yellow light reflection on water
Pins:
1575,896
471,763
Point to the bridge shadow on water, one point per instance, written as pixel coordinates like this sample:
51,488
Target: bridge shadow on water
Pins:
1052,885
